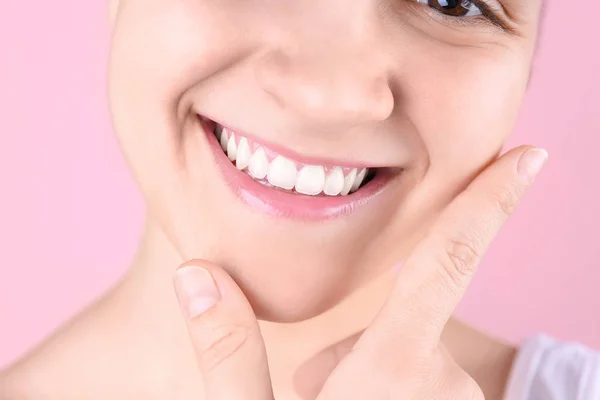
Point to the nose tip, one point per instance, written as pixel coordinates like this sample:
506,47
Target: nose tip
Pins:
321,90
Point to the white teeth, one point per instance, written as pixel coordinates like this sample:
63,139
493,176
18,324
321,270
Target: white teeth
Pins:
243,154
311,180
349,181
282,173
335,182
224,138
359,179
231,148
258,165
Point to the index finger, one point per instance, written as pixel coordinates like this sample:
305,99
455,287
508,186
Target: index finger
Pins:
437,273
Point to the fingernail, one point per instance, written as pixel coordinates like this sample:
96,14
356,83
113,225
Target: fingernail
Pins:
196,290
531,163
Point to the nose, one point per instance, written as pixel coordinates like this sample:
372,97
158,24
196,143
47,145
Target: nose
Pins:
345,82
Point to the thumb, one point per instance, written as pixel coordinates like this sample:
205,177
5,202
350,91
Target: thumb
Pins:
225,334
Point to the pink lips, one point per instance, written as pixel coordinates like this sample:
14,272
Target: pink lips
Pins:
289,205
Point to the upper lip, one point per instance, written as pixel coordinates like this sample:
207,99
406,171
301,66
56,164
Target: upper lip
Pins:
290,153
289,205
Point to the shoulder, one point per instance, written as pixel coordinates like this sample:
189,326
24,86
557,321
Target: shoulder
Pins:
31,377
56,374
8,388
59,367
16,383
554,368
85,359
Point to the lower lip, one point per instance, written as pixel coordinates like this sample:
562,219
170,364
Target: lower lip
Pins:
288,205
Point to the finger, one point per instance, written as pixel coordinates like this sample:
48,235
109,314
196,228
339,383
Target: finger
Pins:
225,334
436,274
311,376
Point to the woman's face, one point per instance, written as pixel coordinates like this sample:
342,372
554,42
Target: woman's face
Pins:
421,92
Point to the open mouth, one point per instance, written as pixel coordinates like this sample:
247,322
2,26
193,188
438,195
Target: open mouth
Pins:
271,169
274,180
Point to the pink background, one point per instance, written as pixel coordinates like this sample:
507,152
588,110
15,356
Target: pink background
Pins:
70,214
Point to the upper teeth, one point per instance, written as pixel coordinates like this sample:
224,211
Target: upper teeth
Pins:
282,173
259,165
335,182
285,173
243,154
311,180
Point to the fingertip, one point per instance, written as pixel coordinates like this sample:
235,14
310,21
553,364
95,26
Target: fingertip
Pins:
196,290
531,163
230,295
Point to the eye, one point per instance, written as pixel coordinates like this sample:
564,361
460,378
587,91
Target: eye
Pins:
453,8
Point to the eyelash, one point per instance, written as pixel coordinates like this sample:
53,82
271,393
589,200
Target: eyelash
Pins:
487,16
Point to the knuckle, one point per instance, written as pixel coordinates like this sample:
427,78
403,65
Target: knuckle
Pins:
460,257
507,199
222,344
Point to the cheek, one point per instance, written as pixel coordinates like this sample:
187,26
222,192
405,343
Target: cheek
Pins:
463,109
470,107
160,49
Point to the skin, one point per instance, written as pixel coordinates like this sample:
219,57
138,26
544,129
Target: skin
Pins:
400,355
398,86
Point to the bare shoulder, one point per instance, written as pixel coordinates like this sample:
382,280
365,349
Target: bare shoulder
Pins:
23,380
28,378
10,385
67,365
49,371
89,358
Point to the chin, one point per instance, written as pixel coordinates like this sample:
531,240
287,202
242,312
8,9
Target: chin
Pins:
295,306
295,247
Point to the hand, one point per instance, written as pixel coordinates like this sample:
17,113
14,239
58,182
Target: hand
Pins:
399,356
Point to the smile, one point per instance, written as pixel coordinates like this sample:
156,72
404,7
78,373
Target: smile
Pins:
272,169
285,185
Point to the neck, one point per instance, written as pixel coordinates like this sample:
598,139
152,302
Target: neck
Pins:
145,304
140,322
146,298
